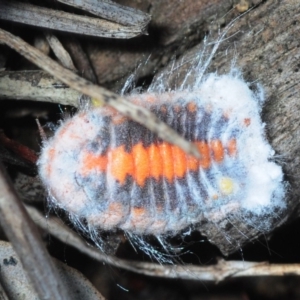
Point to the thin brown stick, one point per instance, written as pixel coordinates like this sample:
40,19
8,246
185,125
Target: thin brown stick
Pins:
112,11
139,114
36,85
26,13
219,272
59,51
25,239
80,58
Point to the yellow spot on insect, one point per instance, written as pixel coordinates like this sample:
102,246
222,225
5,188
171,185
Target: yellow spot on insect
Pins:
226,185
96,102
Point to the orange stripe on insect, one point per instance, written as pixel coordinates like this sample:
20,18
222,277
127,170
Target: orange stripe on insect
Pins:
217,150
179,161
192,163
91,161
121,163
141,160
156,167
157,161
167,161
232,147
205,159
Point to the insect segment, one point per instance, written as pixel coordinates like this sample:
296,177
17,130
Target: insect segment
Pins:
116,174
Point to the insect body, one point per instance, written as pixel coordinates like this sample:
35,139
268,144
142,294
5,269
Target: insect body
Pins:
115,173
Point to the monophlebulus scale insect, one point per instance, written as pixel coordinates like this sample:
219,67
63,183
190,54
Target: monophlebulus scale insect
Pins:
115,174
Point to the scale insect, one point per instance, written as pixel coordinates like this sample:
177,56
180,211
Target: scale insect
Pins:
116,174
109,172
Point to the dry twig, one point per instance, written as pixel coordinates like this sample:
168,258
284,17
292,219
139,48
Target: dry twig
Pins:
80,59
29,14
36,86
62,55
219,272
112,11
25,239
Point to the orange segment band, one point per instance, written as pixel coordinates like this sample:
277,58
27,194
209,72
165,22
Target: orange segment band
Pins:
232,147
141,163
156,167
90,162
167,160
120,163
179,161
192,163
217,150
205,159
